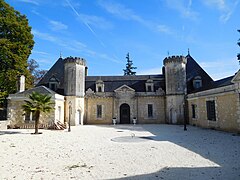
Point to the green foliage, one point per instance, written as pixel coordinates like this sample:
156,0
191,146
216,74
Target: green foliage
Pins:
128,71
38,103
36,73
16,43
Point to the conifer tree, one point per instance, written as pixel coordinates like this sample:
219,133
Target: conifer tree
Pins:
16,43
129,68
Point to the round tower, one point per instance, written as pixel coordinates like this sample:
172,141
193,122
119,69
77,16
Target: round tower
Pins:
175,77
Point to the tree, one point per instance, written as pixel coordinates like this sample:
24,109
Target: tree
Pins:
16,43
37,104
36,73
238,56
128,71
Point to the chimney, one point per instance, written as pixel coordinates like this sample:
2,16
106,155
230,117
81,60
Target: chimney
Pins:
86,71
21,87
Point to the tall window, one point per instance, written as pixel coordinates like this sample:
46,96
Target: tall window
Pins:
99,111
150,110
149,88
193,111
211,114
29,116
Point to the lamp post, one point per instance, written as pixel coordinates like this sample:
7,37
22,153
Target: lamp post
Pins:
70,113
184,115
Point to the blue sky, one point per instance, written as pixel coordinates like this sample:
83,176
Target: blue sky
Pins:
104,31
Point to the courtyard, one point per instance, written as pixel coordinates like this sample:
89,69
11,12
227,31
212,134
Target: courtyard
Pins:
120,152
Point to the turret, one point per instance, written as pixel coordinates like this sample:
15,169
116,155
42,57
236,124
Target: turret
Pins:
175,77
74,90
74,76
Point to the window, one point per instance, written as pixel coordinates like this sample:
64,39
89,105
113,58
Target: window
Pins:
149,85
150,110
53,86
197,82
194,111
149,88
59,113
99,111
29,116
211,114
99,86
99,89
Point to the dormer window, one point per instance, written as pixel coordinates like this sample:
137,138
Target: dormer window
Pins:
99,89
53,83
149,85
149,88
99,86
197,82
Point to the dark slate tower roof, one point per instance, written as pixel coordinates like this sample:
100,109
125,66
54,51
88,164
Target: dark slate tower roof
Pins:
57,71
193,70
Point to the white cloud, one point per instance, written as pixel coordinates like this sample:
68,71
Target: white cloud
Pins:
219,69
44,36
183,7
226,8
73,45
57,26
95,21
121,11
35,2
40,52
164,29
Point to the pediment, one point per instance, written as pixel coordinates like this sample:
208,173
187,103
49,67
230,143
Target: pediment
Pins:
124,88
236,78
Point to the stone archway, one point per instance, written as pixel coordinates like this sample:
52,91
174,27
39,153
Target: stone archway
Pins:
124,114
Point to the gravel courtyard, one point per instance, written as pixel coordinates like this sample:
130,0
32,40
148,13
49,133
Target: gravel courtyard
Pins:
120,152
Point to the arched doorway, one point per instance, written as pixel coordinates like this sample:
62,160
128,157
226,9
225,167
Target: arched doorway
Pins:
124,114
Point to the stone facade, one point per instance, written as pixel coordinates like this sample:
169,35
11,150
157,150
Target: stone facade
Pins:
16,115
226,108
183,93
175,74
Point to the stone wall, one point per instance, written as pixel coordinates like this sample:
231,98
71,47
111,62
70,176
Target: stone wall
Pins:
158,103
226,106
74,110
91,110
16,115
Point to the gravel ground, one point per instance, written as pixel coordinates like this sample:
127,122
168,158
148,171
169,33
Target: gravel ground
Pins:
120,152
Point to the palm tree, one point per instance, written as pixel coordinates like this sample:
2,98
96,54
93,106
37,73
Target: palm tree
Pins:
38,103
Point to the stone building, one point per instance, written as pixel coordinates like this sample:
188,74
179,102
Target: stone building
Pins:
184,92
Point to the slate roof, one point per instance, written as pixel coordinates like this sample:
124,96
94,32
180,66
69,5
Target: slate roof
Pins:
194,69
57,70
136,82
39,89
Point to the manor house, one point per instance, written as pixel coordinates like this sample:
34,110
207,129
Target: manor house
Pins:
184,92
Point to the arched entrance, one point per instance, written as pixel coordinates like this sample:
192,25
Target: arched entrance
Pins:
124,114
